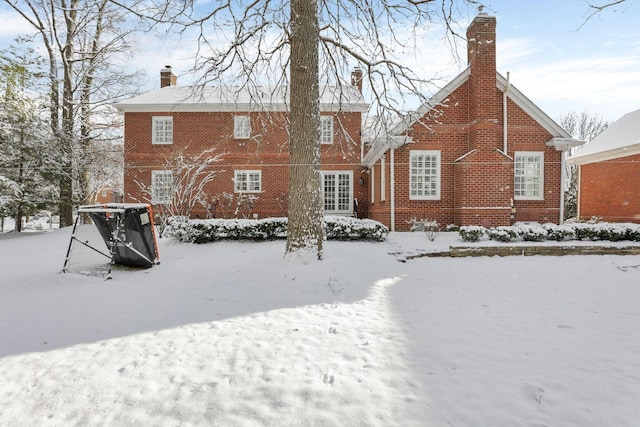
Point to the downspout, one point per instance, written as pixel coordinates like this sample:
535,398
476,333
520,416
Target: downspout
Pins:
392,195
504,116
578,192
563,177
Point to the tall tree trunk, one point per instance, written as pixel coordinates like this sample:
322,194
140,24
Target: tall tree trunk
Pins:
66,181
19,211
305,230
85,103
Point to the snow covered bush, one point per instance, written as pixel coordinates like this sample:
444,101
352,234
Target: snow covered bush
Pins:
531,232
472,233
502,234
632,232
210,230
585,231
613,232
342,227
559,233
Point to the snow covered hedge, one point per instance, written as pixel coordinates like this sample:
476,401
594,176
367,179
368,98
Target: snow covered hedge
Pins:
209,230
613,232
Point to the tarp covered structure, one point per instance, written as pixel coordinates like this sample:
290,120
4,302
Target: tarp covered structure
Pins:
127,230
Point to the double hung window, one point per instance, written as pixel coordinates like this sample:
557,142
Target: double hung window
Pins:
248,181
529,177
241,127
161,187
326,129
424,175
162,131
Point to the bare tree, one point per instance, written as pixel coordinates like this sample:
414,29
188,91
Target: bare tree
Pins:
184,182
597,8
306,46
78,38
583,126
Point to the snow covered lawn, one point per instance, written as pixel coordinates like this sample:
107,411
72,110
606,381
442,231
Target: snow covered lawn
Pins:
231,334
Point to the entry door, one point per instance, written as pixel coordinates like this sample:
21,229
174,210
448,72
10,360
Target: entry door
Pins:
337,189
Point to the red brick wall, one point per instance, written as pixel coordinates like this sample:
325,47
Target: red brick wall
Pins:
267,151
476,187
611,190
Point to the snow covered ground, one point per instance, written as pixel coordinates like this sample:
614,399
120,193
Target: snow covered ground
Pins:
232,334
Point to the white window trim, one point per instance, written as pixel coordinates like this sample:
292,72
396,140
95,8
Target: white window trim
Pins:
324,138
349,210
539,154
241,127
237,173
154,136
154,188
436,153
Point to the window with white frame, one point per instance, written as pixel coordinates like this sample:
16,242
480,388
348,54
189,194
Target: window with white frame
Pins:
248,181
241,127
326,129
162,130
161,187
424,175
337,190
528,175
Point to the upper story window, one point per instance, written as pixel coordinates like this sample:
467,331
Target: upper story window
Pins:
529,175
424,175
241,127
162,130
248,181
326,129
161,187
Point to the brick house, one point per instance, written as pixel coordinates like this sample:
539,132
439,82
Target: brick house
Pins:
478,153
609,172
248,130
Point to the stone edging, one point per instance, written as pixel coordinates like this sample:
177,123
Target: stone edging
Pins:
476,251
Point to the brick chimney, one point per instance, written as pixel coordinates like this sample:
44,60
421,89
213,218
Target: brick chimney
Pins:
356,78
167,78
485,102
484,178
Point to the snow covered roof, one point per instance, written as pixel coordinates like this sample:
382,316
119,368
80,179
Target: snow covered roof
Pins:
229,99
561,138
621,139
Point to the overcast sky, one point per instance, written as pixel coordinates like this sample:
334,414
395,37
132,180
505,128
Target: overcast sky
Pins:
557,58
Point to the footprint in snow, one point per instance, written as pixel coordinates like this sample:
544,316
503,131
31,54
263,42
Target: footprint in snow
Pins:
328,379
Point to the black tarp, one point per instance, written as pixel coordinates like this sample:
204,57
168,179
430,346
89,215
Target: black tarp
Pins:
128,232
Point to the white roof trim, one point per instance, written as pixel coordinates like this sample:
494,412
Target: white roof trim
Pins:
604,155
229,99
621,139
562,144
380,145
